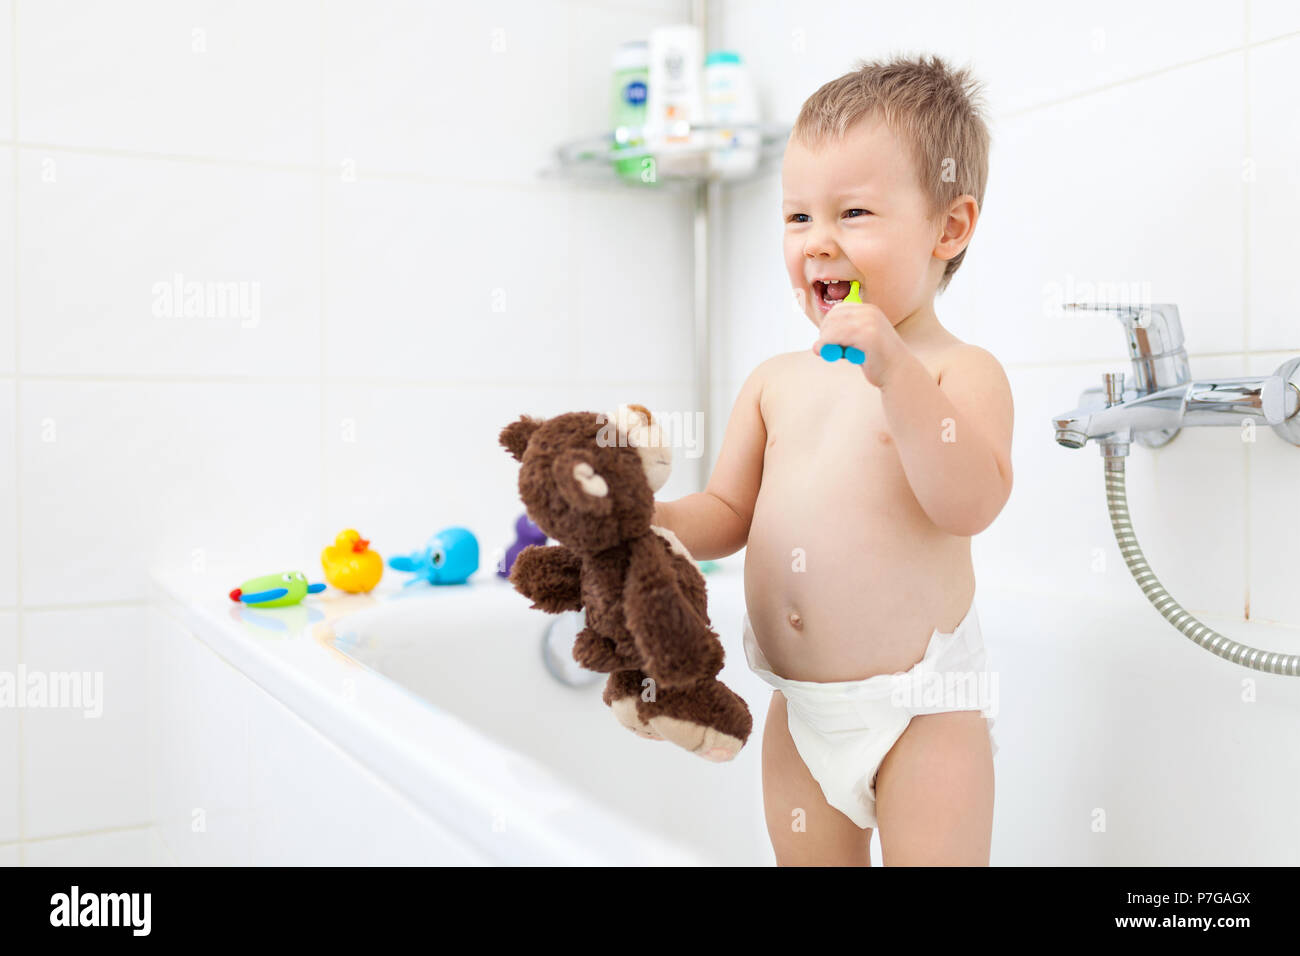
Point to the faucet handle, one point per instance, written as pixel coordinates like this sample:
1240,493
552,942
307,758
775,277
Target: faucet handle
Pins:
1113,385
1153,335
1279,399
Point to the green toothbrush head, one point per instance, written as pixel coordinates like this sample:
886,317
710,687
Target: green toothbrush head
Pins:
853,293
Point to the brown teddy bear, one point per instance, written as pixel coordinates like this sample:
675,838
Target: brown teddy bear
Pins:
588,481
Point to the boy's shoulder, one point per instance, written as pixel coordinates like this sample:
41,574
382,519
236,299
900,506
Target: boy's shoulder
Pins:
782,362
965,356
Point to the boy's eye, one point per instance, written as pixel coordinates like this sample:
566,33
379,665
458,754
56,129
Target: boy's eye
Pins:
852,213
797,217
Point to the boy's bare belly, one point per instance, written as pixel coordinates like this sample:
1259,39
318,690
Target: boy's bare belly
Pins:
845,576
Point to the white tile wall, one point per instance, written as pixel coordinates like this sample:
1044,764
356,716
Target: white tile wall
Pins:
7,261
384,476
232,80
1273,285
1272,518
106,240
368,172
1120,136
1146,216
6,70
466,293
181,473
8,496
372,169
470,91
140,846
1273,18
10,763
84,772
1075,50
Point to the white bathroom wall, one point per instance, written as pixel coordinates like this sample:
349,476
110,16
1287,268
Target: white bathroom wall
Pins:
367,172
367,169
1144,144
1150,143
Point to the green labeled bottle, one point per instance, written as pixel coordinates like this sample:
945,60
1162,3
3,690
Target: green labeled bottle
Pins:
631,82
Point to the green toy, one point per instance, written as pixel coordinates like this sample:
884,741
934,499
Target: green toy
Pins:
275,590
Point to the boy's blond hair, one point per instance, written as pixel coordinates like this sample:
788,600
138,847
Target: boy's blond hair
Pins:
935,111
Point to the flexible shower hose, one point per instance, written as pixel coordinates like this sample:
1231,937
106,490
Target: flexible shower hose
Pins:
1171,610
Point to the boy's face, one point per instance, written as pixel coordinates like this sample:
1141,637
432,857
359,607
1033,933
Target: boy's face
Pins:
854,210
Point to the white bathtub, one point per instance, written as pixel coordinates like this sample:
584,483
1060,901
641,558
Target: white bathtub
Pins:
1120,742
439,698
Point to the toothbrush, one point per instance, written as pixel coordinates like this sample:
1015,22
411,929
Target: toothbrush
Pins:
832,352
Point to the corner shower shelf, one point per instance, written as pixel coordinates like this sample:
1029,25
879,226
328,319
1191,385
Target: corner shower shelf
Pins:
592,158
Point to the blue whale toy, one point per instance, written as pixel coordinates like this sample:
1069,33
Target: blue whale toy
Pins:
450,557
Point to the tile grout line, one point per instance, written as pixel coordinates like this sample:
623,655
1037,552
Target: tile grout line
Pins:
322,22
538,182
1245,313
542,182
21,775
1244,47
81,834
354,380
448,383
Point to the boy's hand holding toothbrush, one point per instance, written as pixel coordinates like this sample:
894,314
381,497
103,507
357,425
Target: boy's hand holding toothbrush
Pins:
859,333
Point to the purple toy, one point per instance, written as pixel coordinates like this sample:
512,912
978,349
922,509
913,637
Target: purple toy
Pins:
526,533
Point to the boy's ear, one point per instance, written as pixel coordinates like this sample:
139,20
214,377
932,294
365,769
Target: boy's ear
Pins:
514,437
958,226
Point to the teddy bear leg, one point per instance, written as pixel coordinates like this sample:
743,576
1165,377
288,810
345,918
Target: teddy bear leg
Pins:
707,718
622,691
596,653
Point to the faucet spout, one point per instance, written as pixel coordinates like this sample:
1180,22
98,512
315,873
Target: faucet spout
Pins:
1269,400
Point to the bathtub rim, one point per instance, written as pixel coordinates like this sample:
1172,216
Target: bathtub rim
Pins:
394,734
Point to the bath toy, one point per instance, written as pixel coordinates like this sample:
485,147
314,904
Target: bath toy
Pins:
275,590
450,557
526,533
647,621
350,565
832,352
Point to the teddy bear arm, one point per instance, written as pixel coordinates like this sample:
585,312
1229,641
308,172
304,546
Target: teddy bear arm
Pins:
550,576
673,637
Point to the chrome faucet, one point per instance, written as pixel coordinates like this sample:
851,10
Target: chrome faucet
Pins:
1163,398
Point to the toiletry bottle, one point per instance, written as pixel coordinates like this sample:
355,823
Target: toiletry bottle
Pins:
675,100
732,110
628,113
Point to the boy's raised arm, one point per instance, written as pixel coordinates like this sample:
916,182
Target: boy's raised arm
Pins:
715,522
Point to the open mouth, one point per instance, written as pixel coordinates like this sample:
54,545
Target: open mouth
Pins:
830,292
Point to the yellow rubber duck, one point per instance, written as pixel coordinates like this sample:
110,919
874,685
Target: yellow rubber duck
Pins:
350,565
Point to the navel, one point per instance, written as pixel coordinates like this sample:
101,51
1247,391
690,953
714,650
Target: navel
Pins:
796,621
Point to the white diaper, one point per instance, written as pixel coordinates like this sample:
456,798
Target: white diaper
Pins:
843,729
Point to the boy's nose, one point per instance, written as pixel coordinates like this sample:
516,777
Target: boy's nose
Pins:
818,245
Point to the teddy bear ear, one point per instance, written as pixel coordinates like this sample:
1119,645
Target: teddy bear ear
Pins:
580,485
514,437
630,421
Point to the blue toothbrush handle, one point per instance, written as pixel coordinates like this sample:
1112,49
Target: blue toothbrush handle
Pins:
833,353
